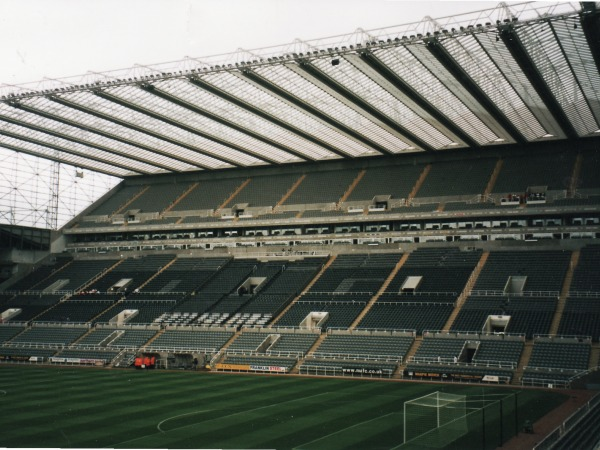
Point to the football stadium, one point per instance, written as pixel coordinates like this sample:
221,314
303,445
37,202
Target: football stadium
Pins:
387,239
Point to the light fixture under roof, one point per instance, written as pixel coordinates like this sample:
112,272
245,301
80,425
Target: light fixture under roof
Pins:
499,139
548,135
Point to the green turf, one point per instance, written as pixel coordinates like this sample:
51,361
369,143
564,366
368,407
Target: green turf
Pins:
70,407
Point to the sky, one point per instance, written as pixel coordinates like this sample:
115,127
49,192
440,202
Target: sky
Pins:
58,38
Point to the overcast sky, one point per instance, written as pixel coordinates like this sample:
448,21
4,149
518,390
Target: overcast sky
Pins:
58,38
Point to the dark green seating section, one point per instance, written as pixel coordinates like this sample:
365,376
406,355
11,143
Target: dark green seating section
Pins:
284,342
341,313
77,273
209,195
49,335
158,197
419,316
116,201
396,181
322,187
132,338
545,269
364,346
560,355
191,340
520,172
137,269
557,361
528,315
39,274
8,332
74,311
264,190
453,178
185,275
148,310
581,317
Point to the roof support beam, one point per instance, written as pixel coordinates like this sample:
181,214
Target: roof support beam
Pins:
248,107
360,106
590,22
375,64
308,109
99,132
440,53
131,126
14,148
519,53
174,123
69,151
151,89
82,142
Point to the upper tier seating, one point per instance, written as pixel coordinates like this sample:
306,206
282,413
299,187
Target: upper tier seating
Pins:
457,178
396,181
208,194
265,190
590,168
520,172
322,187
113,203
158,197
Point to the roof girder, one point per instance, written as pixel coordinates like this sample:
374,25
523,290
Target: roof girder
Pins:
375,64
250,108
69,151
14,148
361,106
172,122
442,55
132,126
519,53
590,22
101,132
168,97
83,142
308,109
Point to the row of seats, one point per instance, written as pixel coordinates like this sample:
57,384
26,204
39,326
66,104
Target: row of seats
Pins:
445,178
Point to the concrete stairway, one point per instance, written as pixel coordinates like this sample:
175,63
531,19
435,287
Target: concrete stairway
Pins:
564,293
381,290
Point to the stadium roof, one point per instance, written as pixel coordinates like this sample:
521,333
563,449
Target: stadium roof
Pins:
514,74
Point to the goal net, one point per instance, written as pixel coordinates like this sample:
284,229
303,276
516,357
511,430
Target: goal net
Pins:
438,418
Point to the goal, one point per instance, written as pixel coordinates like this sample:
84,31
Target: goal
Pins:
439,418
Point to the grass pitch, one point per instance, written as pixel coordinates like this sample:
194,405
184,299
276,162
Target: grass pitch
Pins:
69,407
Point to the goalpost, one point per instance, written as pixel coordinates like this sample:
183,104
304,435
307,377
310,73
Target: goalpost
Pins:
436,414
